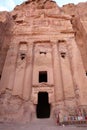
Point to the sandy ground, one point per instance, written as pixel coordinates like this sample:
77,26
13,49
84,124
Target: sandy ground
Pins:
39,125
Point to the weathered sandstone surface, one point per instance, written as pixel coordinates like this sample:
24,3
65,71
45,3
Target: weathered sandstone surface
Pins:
43,50
79,22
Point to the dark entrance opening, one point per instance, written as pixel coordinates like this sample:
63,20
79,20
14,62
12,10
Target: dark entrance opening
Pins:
42,76
43,107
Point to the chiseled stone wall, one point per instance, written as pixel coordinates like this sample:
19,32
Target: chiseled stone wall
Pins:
43,38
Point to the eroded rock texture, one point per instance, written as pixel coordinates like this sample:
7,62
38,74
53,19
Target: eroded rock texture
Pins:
5,37
79,22
43,57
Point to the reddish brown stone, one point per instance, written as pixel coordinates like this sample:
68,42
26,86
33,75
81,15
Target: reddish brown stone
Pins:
43,52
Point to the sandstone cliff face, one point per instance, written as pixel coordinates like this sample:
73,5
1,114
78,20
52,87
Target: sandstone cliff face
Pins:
5,37
40,35
79,22
23,25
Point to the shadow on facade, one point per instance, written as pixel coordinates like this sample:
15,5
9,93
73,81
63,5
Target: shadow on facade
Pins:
43,107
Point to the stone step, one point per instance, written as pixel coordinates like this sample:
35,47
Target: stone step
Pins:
44,121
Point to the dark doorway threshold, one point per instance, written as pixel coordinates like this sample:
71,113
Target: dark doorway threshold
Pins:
43,107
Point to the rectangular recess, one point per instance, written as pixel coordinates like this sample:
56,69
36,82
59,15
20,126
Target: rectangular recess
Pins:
42,76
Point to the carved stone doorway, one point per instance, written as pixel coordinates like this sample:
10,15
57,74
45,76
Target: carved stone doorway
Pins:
43,106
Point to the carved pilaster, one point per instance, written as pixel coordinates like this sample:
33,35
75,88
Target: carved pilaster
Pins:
9,69
13,58
66,71
20,70
57,74
28,74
